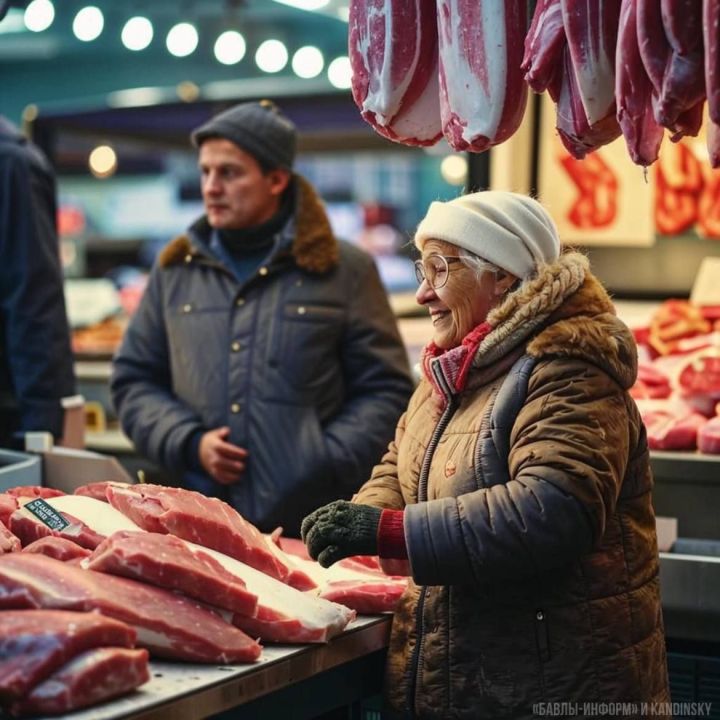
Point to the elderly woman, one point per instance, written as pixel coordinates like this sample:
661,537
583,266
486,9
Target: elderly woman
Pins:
518,486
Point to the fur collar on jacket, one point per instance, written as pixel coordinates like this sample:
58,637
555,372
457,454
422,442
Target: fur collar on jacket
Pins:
563,312
314,247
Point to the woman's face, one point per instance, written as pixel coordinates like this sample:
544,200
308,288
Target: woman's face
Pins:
464,301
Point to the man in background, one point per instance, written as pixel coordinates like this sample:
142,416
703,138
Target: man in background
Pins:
36,367
264,363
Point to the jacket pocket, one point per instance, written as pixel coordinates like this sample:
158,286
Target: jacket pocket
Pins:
542,636
306,344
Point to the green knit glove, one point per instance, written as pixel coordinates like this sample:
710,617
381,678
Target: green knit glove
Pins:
339,530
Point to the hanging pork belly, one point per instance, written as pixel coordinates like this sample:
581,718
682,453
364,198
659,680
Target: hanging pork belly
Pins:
392,45
482,91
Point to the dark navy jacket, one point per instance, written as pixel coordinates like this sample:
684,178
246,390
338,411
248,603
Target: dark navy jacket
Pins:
36,368
302,361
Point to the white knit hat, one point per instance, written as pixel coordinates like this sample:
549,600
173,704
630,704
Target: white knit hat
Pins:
510,230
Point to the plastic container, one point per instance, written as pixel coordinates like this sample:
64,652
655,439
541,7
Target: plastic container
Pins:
18,468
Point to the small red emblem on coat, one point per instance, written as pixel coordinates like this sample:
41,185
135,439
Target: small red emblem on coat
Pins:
450,468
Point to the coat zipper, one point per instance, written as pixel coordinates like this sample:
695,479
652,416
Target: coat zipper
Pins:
418,652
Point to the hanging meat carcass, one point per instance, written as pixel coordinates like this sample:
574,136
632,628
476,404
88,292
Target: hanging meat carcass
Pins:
684,80
392,46
577,134
633,92
482,91
591,28
711,37
544,46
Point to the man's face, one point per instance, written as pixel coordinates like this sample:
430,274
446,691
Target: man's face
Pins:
236,192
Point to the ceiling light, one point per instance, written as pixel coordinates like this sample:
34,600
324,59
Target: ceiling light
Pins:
137,97
182,40
304,4
308,62
230,47
454,169
39,15
88,23
187,91
340,73
271,56
137,33
102,161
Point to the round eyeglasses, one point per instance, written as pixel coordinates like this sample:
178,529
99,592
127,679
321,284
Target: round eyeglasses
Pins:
435,269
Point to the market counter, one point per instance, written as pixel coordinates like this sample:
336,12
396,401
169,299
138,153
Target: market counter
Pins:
289,681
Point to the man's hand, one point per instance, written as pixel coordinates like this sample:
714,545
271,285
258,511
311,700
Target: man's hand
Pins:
224,461
339,530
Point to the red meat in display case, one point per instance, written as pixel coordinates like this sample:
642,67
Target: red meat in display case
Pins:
206,521
167,624
670,425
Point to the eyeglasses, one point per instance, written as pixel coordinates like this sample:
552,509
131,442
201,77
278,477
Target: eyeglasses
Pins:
435,269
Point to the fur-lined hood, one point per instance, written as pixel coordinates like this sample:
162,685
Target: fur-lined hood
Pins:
564,312
314,246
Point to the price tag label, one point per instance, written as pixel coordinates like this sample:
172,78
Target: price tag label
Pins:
46,514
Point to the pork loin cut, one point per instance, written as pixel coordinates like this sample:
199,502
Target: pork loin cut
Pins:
34,643
357,582
8,542
671,424
29,528
206,521
90,678
482,90
166,561
356,586
33,491
167,624
699,374
284,614
58,548
651,383
90,521
8,505
98,490
392,46
709,437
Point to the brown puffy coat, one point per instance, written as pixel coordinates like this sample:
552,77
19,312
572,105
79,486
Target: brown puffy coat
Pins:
542,587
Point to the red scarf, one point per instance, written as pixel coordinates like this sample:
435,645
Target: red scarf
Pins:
455,362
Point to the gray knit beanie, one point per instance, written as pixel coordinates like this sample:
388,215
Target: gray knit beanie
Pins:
259,128
510,230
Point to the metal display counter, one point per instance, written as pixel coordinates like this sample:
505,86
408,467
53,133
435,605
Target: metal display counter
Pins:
687,486
292,682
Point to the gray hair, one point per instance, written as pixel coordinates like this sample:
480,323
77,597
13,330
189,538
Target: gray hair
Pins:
477,264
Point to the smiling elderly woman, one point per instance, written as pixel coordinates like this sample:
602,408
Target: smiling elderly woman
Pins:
518,485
